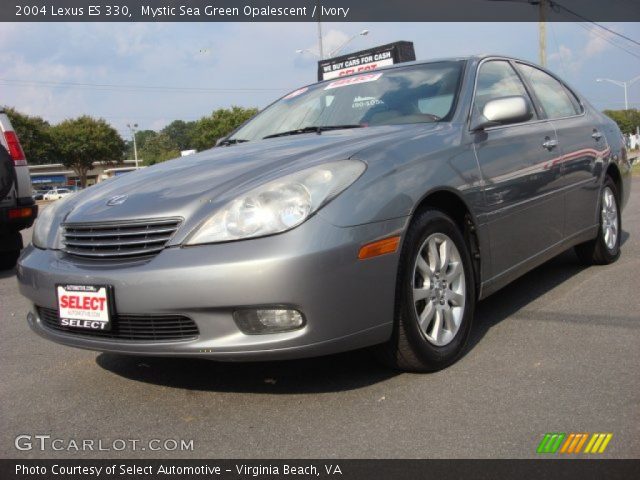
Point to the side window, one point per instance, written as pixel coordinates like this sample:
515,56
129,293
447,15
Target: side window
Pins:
496,79
553,96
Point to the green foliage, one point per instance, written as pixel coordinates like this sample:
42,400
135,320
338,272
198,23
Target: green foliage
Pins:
84,140
79,142
180,132
219,124
143,136
154,147
158,148
627,120
35,137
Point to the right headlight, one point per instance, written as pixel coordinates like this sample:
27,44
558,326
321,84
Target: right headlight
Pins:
279,205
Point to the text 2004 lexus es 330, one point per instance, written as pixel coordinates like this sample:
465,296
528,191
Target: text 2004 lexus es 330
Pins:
373,209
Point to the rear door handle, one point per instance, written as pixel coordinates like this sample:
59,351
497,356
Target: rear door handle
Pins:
596,135
550,144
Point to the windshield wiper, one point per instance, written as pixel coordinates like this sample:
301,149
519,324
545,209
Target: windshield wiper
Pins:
231,141
318,129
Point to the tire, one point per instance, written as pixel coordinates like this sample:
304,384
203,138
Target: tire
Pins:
441,338
604,250
13,245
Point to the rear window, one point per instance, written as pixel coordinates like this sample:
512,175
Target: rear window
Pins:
554,97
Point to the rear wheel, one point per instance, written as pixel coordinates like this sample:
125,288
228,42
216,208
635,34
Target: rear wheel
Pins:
605,248
435,296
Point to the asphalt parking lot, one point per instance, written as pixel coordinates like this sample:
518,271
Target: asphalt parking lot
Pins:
557,351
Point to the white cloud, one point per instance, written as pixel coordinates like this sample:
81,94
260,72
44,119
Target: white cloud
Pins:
598,42
573,60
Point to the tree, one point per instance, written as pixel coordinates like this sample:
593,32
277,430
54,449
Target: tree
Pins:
158,148
35,137
627,120
84,140
219,124
180,133
142,137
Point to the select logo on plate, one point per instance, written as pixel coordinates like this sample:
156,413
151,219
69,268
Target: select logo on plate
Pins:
84,306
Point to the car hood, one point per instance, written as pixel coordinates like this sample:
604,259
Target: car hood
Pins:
192,187
177,187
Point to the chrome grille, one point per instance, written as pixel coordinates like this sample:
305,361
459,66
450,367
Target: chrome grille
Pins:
118,240
143,328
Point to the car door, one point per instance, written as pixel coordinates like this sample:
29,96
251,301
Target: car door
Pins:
581,143
520,169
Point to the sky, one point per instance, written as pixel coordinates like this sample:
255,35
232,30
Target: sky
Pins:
154,73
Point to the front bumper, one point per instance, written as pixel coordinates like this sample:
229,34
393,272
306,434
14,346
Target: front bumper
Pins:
348,303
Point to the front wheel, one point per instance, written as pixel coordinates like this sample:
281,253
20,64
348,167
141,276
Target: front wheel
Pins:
605,248
435,296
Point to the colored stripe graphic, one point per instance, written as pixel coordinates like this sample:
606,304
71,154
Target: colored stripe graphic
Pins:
551,442
598,443
572,443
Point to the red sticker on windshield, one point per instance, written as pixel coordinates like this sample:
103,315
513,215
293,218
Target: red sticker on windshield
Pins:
343,82
295,93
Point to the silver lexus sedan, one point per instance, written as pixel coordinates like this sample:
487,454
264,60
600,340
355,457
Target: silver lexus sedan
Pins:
369,210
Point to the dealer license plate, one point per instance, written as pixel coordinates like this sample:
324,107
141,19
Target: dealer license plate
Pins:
84,306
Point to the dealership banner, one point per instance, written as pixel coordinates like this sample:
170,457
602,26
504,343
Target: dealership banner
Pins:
315,10
323,469
366,60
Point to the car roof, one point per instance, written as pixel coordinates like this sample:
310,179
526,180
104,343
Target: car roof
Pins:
464,58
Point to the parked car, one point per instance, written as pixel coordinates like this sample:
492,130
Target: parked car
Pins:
17,208
38,194
370,210
56,193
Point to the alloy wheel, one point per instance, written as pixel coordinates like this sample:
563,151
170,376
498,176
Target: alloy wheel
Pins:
609,213
439,289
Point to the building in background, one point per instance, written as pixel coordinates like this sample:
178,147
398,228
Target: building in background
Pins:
57,175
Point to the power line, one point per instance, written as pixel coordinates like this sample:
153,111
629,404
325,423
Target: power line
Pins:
607,39
595,23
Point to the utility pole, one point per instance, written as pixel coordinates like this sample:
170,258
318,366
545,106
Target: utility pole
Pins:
542,32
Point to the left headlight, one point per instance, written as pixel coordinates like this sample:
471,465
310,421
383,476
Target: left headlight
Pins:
47,221
279,205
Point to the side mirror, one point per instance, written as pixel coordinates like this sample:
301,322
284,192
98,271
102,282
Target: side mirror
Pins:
503,110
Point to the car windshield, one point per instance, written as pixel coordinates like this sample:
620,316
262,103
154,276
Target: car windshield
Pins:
414,94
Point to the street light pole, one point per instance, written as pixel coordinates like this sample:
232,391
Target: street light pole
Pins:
135,146
362,33
320,46
624,85
333,52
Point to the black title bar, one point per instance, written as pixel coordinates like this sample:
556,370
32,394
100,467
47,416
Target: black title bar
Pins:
582,469
315,10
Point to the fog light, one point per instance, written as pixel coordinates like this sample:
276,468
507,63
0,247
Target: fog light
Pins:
254,322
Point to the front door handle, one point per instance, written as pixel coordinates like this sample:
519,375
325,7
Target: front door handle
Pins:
550,144
596,135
